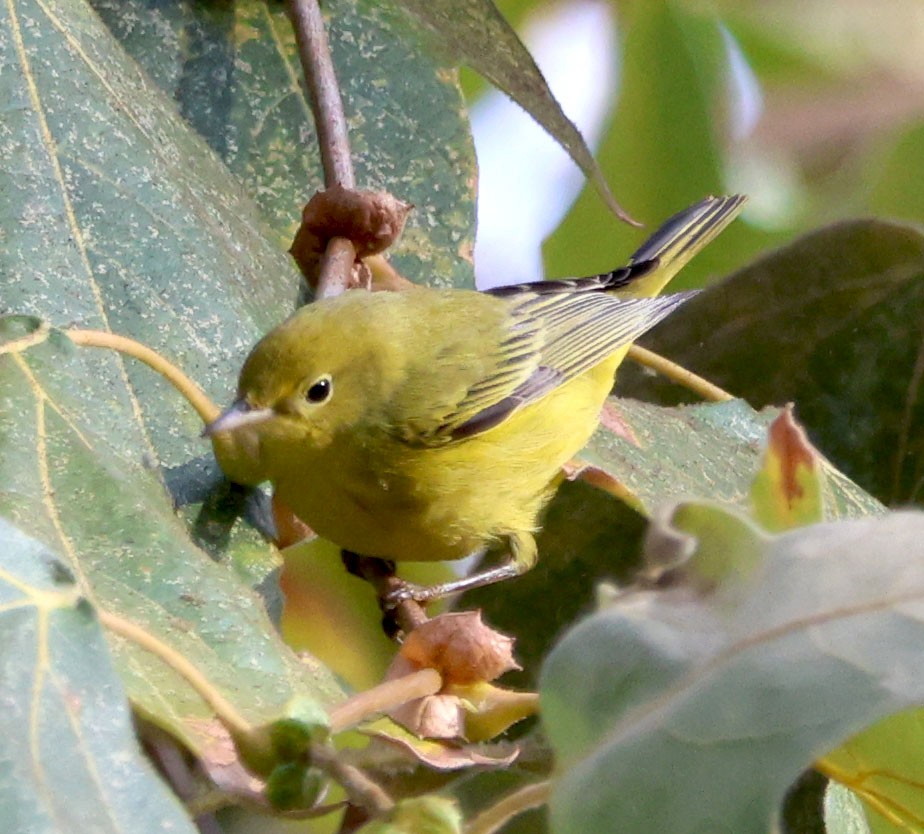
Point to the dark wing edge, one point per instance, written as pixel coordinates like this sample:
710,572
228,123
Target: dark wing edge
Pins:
576,345
613,280
580,338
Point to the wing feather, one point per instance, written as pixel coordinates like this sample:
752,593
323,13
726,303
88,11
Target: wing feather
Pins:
554,342
555,331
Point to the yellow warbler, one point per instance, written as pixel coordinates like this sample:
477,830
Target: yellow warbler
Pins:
428,424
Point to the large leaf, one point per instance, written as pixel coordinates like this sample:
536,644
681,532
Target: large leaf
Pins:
670,711
891,182
883,767
233,69
657,454
475,33
69,750
71,476
833,323
118,216
646,455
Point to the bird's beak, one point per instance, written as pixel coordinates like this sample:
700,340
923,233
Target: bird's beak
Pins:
239,414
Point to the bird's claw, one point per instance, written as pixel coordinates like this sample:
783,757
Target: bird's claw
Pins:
405,592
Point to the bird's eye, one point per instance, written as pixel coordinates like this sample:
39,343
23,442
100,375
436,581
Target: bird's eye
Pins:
320,391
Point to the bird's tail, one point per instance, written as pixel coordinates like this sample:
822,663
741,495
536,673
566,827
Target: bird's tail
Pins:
671,247
658,260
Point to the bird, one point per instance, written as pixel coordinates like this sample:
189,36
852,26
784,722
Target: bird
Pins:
431,424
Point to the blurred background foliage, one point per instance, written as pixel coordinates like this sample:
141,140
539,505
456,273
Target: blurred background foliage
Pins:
815,109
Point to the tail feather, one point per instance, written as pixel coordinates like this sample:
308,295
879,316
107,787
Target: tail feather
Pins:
680,238
658,259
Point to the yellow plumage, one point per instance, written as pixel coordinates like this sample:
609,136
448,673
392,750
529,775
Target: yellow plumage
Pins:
426,424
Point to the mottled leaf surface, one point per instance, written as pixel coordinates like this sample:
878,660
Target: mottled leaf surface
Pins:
117,216
69,751
234,73
658,454
843,811
72,476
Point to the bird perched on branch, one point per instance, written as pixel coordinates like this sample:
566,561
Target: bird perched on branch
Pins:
431,423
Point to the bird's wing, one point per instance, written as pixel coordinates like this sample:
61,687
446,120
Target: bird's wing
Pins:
549,337
557,330
485,370
582,330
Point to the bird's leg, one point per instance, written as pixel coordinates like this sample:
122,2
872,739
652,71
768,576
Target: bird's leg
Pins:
403,616
522,557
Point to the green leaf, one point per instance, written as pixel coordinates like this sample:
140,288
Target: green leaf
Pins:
234,72
882,765
788,489
643,456
648,455
118,217
891,178
655,454
474,32
72,474
816,323
669,710
722,548
421,815
68,744
293,785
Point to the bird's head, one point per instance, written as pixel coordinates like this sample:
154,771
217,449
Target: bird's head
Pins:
305,381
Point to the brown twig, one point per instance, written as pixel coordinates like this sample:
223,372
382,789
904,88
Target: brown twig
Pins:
323,93
380,574
360,789
333,139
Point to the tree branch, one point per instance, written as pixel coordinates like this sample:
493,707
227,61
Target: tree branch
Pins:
333,140
323,93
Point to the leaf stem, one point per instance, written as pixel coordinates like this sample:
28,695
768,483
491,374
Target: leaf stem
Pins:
494,818
331,126
361,790
896,814
236,724
194,395
384,697
677,373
